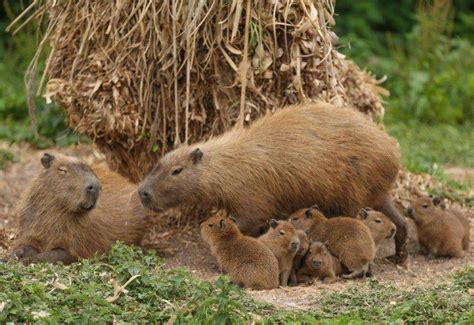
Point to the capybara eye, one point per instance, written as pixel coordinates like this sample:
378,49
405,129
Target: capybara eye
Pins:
282,232
62,169
378,221
425,206
176,171
210,225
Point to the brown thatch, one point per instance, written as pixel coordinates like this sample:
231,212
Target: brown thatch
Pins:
141,76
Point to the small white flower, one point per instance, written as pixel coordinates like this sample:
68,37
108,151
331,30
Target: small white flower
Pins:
39,314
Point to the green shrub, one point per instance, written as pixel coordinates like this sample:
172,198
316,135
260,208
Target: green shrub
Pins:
434,77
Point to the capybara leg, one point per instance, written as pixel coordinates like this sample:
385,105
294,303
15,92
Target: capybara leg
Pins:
22,252
284,276
401,249
369,270
331,278
53,256
293,280
308,280
465,242
355,274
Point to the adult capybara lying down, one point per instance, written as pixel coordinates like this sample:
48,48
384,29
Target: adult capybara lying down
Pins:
61,217
299,156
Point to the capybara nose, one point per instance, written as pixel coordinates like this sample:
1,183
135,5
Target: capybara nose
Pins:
93,188
294,246
145,196
317,264
410,212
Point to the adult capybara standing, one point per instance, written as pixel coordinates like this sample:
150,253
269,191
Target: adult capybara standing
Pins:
73,211
299,156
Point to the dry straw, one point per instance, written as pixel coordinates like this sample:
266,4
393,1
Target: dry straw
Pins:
142,76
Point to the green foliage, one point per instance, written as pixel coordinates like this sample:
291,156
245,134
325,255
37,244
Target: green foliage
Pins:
78,294
374,302
425,147
427,53
15,55
434,78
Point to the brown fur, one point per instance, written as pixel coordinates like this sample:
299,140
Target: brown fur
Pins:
284,161
300,254
283,241
319,262
248,262
54,227
381,227
441,233
347,238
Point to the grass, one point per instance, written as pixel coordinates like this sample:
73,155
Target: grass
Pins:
427,147
78,293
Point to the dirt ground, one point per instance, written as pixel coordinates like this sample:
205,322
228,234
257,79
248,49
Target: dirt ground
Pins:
180,244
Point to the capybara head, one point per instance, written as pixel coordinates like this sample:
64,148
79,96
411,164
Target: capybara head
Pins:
303,219
285,234
379,224
424,209
318,256
174,180
68,183
218,227
304,242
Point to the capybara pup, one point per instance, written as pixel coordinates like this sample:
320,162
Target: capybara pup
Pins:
380,226
283,241
249,262
300,254
319,262
440,233
73,211
347,238
298,156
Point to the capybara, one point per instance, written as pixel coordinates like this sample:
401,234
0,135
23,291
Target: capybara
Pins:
301,155
300,254
319,262
440,233
347,238
380,226
283,241
73,211
249,262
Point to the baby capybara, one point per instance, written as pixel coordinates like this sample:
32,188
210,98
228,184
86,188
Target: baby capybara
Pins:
319,262
249,262
300,254
380,226
347,238
283,241
298,156
440,233
73,211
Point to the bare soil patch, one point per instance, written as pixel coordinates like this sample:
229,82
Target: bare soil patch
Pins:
181,246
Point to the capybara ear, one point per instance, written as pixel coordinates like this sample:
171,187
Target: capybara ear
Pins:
46,160
233,219
273,223
436,200
326,243
222,223
196,155
308,214
315,206
364,213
